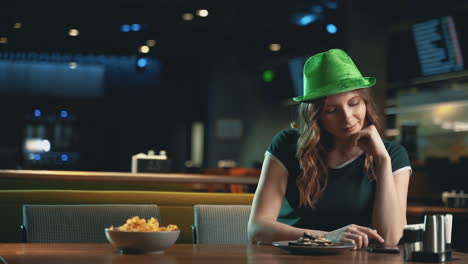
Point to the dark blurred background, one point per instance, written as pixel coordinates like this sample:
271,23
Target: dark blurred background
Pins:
84,85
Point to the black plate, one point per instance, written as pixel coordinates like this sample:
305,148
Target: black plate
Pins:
312,250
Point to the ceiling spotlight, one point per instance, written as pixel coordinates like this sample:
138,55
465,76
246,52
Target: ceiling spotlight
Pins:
332,29
17,25
202,12
73,32
307,19
275,47
144,49
3,40
304,19
136,27
125,28
187,16
151,43
331,4
317,9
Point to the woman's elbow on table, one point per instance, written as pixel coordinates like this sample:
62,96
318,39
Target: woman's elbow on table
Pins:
257,232
391,239
253,232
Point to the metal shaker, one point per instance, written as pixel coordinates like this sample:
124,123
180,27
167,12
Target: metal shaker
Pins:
434,233
412,237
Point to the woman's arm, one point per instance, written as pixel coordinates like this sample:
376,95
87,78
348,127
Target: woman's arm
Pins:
389,214
263,226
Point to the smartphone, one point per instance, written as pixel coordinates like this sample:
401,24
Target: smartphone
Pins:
384,250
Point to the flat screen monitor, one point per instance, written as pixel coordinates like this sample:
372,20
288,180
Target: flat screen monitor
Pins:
296,67
426,48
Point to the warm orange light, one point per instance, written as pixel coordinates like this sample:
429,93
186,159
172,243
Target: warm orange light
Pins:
275,47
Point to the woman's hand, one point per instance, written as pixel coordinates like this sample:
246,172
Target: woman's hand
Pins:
358,235
369,140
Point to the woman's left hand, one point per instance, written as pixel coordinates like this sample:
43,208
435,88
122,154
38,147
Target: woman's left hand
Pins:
369,140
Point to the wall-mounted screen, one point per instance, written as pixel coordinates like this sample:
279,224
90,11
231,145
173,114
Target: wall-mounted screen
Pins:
437,46
426,48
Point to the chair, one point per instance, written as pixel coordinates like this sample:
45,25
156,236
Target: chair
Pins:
220,224
78,223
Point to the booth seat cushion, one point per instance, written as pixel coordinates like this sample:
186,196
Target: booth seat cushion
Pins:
37,184
175,207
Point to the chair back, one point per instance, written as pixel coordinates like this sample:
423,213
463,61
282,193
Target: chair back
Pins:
221,224
78,223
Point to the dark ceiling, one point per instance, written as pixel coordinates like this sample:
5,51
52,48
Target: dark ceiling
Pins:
242,28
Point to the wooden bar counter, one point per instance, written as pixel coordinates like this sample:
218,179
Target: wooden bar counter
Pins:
188,253
125,177
423,209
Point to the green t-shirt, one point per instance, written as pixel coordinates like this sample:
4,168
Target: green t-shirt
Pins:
348,197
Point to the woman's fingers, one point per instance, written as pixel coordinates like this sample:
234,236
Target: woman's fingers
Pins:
358,235
355,138
371,233
356,238
364,237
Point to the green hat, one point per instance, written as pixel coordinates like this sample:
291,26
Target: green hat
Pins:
329,73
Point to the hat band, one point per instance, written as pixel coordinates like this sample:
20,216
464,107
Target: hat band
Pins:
344,85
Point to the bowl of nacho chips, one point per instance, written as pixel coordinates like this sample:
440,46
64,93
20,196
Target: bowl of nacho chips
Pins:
139,235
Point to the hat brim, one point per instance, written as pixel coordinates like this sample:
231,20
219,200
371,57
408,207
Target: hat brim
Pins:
369,82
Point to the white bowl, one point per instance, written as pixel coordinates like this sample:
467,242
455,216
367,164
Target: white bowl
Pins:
141,242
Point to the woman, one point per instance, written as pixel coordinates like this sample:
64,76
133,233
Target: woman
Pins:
342,181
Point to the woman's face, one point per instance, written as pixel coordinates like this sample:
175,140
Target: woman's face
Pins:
343,114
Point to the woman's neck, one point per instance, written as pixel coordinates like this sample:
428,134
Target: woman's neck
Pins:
344,147
341,152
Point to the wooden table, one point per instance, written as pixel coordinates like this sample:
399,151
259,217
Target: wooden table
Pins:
187,253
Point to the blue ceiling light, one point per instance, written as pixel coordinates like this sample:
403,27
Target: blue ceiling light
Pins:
37,156
37,113
136,27
142,62
64,114
303,19
332,29
307,19
125,28
317,9
331,4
